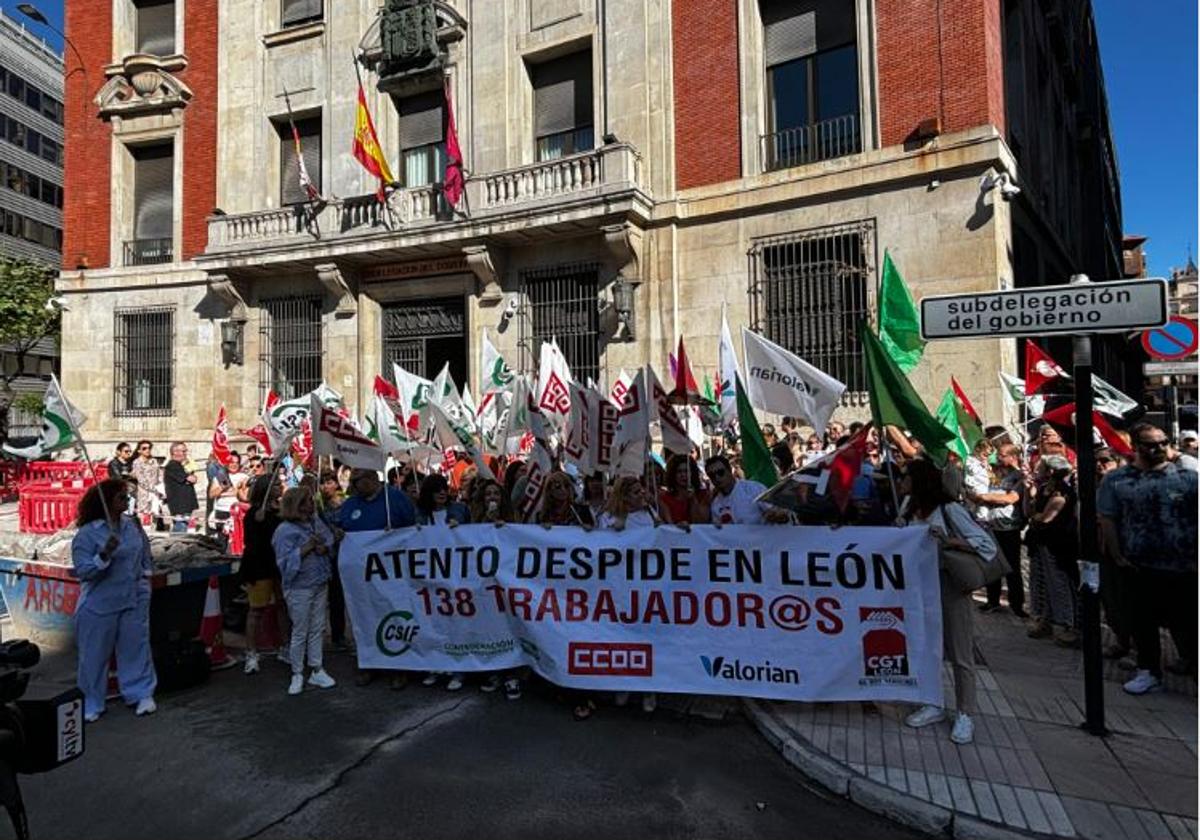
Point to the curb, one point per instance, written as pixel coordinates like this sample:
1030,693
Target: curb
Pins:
879,799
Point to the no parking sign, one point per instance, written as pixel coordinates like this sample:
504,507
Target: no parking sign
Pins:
1176,340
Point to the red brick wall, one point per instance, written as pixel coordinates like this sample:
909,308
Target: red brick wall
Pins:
911,76
199,125
87,166
707,99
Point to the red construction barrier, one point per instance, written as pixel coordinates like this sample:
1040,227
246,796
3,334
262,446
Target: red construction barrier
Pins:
59,471
237,532
8,478
45,507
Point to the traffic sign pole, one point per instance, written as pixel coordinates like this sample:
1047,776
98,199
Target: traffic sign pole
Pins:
1089,567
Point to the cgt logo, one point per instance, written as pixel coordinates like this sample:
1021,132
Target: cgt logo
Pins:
396,633
610,659
885,647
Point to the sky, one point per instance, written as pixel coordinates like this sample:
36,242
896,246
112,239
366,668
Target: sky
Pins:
1149,55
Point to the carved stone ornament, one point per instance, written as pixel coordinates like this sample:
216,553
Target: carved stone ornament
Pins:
142,84
330,276
624,244
409,40
487,264
223,290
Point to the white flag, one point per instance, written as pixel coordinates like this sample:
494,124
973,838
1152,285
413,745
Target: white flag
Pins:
674,432
414,394
554,384
468,401
384,427
493,420
728,369
336,435
633,429
617,394
577,445
1012,388
604,417
445,394
1108,399
493,370
60,420
781,382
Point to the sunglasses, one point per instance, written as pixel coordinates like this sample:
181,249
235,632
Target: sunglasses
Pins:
1152,444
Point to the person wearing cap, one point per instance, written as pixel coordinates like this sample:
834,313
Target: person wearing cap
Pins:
1186,456
367,509
1147,513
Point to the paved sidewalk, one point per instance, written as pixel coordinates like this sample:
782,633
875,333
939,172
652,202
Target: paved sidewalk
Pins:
1031,769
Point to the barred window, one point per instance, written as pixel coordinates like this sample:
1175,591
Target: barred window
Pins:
562,302
292,350
808,293
144,362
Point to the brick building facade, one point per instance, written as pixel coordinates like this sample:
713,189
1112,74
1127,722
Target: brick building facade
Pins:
667,157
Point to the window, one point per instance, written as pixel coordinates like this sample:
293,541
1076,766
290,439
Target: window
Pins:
422,138
33,97
290,337
290,189
562,105
808,293
153,205
812,81
16,86
155,26
562,303
300,11
144,361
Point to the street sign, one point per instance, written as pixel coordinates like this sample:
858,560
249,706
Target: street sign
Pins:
1169,368
1176,340
1115,306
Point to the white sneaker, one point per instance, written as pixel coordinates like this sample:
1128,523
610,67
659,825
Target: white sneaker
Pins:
430,679
621,699
146,706
297,684
251,666
92,717
649,703
925,716
1143,682
490,684
964,729
321,679
456,682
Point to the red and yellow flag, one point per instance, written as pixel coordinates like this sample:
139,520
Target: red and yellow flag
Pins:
366,145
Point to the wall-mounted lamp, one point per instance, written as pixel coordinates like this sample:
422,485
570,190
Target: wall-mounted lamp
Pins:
232,333
621,311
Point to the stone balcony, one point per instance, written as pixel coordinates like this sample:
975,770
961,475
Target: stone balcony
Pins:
574,193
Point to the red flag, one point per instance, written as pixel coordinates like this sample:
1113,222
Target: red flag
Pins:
386,389
1039,368
452,180
220,438
961,396
686,392
1064,415
302,444
844,465
259,433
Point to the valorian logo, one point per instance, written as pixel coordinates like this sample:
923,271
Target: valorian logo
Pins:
885,647
610,659
396,632
720,668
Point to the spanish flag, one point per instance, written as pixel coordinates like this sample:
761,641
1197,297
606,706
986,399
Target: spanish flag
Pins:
366,145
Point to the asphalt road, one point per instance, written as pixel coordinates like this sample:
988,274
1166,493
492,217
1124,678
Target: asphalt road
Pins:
238,758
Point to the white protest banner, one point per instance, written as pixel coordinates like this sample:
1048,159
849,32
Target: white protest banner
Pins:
674,433
808,614
553,395
336,435
633,428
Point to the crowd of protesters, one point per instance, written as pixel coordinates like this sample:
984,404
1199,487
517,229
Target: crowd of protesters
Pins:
1006,503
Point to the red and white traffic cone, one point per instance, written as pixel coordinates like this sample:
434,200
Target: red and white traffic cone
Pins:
210,628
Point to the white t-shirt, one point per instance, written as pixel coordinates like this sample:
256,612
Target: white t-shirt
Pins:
977,481
636,519
225,502
740,507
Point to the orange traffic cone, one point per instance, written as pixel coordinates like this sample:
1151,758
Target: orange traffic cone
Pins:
210,628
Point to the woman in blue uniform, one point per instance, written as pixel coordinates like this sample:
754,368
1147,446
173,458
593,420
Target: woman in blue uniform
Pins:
112,561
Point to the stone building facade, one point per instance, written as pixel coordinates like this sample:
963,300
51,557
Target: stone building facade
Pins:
633,166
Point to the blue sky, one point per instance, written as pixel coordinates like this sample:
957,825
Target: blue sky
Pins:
1149,54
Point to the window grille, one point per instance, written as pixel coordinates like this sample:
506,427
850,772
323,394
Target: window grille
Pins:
144,362
156,27
417,336
808,293
309,129
292,349
562,105
562,302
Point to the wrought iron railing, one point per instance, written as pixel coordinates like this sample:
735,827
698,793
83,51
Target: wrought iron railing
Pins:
148,251
825,140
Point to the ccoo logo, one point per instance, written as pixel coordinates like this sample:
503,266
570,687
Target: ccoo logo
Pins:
396,633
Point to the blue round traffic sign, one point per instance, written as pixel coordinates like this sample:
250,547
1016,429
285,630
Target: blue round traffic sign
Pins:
1176,340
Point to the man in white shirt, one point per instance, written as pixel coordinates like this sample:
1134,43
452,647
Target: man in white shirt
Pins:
735,501
977,482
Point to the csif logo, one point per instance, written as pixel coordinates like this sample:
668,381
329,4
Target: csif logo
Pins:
720,668
396,633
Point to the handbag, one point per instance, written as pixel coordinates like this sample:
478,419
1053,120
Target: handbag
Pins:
965,567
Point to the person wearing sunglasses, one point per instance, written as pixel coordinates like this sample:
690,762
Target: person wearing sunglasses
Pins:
147,472
1147,515
735,500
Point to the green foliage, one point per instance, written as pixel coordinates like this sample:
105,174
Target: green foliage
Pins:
26,316
31,403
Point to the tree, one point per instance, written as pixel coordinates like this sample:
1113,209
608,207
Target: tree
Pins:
28,314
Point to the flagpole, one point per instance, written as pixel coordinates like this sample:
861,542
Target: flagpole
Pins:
87,458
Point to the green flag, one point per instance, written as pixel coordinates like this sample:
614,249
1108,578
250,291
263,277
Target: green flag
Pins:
895,403
899,324
947,415
757,463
